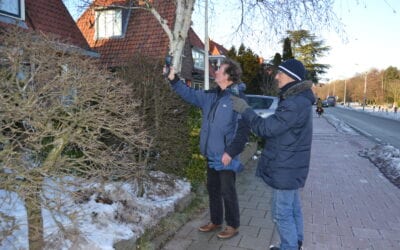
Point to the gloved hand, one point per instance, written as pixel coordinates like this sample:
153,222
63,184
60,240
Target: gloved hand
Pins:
215,163
239,105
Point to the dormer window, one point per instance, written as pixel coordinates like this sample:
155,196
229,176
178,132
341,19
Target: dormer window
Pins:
13,8
108,23
198,59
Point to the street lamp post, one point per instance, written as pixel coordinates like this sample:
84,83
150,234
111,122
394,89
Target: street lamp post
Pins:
206,49
334,88
365,90
344,95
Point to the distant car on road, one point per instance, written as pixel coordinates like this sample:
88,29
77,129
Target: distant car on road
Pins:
331,101
263,105
325,104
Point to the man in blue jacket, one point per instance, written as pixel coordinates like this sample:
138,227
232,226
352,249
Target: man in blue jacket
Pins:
285,160
223,136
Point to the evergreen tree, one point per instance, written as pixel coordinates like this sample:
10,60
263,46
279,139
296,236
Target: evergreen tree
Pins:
287,49
232,53
391,73
308,49
250,63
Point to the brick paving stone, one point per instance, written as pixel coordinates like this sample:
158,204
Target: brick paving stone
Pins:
366,233
249,230
249,204
254,243
234,241
245,220
266,233
199,245
258,213
233,248
178,244
390,234
355,243
381,244
327,239
261,222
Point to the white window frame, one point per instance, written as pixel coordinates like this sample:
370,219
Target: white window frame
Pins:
108,23
198,59
14,10
197,85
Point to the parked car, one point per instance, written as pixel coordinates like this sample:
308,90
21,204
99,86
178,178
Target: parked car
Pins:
325,104
263,105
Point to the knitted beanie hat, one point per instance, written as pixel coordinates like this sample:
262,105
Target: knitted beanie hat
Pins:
293,68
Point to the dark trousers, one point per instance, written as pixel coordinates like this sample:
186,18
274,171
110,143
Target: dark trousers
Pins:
222,193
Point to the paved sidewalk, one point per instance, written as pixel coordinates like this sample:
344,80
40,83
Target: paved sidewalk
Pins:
347,203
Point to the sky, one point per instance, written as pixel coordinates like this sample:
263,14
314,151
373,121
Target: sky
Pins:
372,40
372,34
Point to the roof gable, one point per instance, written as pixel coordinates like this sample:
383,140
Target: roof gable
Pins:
144,35
52,17
217,49
194,39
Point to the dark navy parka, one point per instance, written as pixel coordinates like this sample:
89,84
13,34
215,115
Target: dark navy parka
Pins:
285,159
222,130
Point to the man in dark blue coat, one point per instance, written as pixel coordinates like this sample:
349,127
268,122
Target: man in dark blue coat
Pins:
223,136
285,160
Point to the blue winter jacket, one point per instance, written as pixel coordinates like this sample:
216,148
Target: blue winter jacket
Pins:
285,159
222,130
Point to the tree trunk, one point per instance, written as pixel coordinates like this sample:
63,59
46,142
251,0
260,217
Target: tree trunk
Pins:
35,220
33,200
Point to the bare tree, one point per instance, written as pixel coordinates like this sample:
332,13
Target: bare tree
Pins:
61,117
261,19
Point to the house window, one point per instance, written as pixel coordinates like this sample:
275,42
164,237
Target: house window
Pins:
197,85
13,8
108,23
198,59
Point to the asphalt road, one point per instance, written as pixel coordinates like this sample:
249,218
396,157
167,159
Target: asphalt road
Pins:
377,128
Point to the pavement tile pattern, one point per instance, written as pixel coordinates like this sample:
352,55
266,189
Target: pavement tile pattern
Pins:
347,203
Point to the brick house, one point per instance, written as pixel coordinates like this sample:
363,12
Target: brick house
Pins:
119,33
216,52
48,17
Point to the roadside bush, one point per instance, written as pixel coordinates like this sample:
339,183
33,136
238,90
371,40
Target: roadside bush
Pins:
196,170
61,118
166,115
174,124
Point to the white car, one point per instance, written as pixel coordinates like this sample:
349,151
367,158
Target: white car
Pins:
263,105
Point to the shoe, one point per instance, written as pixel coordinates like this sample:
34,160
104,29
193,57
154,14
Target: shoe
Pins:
228,232
209,227
300,243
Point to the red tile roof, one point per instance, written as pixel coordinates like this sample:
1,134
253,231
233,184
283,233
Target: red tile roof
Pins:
217,49
53,17
194,39
144,34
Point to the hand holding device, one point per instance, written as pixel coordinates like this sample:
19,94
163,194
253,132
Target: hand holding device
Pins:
168,64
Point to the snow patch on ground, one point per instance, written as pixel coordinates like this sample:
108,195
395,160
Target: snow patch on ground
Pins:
340,126
385,157
93,215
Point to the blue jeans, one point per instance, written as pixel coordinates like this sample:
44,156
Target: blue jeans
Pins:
287,215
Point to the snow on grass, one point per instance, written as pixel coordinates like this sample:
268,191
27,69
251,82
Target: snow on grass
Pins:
92,215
